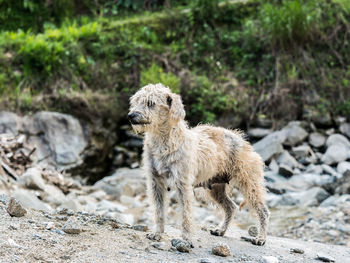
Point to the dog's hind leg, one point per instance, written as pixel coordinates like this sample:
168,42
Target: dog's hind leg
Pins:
218,194
255,199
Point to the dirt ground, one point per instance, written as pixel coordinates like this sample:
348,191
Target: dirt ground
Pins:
38,237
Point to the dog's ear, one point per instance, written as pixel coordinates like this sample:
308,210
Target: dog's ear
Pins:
176,107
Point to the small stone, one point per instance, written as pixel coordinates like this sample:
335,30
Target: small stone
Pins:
253,231
14,226
205,260
14,208
324,257
50,225
160,245
181,245
72,226
140,228
221,249
270,259
285,170
297,250
317,139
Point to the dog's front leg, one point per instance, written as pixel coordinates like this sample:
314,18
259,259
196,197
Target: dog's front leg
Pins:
186,200
157,196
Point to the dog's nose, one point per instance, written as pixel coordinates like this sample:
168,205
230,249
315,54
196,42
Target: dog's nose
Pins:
131,115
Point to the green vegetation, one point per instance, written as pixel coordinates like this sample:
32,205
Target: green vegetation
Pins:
277,58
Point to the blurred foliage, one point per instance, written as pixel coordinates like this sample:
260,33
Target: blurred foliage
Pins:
248,57
155,74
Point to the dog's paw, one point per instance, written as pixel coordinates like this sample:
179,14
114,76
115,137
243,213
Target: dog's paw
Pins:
217,232
258,241
154,236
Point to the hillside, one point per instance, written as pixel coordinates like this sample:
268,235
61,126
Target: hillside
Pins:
232,61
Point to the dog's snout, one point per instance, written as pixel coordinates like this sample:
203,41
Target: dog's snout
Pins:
131,115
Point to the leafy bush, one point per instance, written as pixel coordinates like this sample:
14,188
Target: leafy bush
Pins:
207,101
292,21
155,74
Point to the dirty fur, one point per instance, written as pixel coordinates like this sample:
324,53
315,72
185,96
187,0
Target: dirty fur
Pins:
214,158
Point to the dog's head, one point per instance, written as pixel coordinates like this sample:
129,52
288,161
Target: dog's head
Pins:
154,106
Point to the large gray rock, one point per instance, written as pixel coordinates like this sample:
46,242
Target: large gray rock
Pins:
54,195
317,139
294,133
335,200
287,159
335,153
29,200
32,179
302,151
337,139
259,132
124,181
9,122
345,129
311,197
270,145
343,167
63,135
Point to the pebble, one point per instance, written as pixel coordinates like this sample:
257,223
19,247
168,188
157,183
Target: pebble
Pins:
270,259
297,250
181,245
253,231
141,228
205,260
221,249
14,208
72,226
324,257
160,245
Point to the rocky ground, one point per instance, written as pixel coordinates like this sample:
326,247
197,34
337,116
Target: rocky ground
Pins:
307,175
64,236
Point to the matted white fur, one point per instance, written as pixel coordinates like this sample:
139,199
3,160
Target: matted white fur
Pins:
214,158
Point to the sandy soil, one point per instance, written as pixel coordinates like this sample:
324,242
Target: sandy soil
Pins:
37,237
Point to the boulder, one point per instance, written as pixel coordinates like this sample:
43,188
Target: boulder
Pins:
63,135
302,151
335,153
285,170
9,123
294,133
317,139
314,169
342,167
110,206
337,139
328,170
259,132
311,197
32,179
30,200
286,159
270,145
124,181
54,195
345,129
335,200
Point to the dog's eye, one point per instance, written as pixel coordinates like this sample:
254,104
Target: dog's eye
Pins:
150,104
